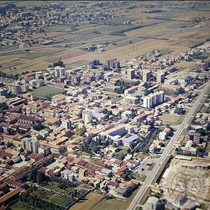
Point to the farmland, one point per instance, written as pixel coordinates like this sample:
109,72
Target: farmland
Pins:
87,202
172,23
120,204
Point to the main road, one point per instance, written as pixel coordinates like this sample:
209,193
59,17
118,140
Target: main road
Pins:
167,151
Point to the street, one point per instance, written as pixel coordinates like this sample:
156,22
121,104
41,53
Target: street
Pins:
167,151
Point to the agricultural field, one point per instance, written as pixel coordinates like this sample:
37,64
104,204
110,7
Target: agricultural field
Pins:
116,204
172,23
21,206
87,202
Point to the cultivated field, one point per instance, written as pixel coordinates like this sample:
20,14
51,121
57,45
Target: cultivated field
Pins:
172,24
87,202
116,204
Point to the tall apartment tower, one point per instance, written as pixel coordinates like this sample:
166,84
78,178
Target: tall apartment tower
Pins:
59,71
153,99
146,76
30,145
87,117
131,74
66,124
160,77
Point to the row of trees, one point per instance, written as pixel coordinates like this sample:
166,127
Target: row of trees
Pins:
9,76
124,85
91,146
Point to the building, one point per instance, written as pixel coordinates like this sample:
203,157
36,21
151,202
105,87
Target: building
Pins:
87,117
30,145
160,77
146,76
194,136
14,88
113,64
29,121
131,74
66,124
3,92
59,71
153,99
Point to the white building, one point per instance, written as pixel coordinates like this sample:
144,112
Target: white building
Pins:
66,124
153,99
87,116
59,71
29,144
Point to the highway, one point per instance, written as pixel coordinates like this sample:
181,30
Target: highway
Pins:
167,151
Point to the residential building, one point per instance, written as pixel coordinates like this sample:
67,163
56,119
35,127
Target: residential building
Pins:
153,99
146,76
30,145
59,71
131,74
87,116
14,88
194,136
160,77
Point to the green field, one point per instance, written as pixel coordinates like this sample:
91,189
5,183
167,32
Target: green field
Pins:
172,119
87,202
21,206
151,167
120,204
46,91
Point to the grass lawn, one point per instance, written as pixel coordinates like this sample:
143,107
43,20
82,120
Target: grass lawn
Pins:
120,204
19,206
138,176
46,91
172,119
87,202
182,135
151,167
208,148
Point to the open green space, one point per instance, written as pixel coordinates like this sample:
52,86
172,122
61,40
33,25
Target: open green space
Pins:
182,135
151,167
116,204
208,148
46,91
172,119
137,176
33,55
87,202
19,205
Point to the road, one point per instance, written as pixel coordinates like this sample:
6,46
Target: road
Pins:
167,151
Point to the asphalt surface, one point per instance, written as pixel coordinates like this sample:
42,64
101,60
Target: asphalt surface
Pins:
167,151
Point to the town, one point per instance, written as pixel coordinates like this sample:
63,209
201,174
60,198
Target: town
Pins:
104,127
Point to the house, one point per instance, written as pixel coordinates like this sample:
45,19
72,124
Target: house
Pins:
112,185
129,140
188,149
150,203
179,111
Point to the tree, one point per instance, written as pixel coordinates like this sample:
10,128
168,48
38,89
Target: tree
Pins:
3,106
58,63
32,174
9,144
40,177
